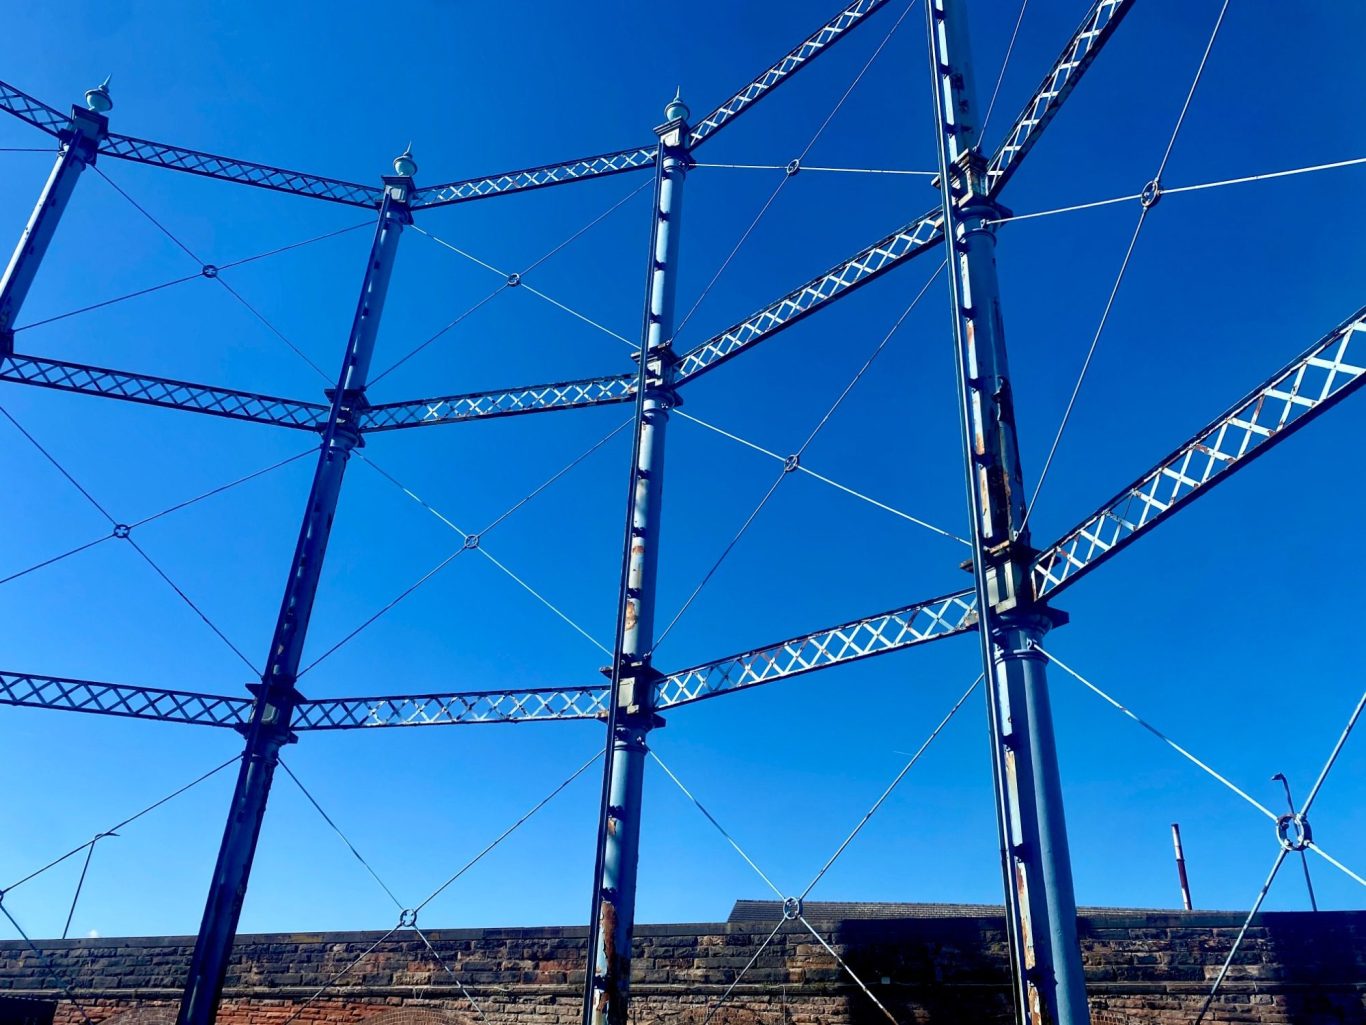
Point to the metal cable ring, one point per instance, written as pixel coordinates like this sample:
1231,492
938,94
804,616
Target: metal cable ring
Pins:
793,167
514,280
471,541
1303,835
1151,193
792,462
792,908
209,270
121,530
407,918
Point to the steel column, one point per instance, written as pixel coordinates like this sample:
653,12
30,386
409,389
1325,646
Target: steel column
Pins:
80,142
631,715
276,698
1041,908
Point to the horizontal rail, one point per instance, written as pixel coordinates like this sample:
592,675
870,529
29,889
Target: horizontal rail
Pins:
535,398
580,169
70,695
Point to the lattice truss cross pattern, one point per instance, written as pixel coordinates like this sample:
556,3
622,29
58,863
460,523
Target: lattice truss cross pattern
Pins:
1326,373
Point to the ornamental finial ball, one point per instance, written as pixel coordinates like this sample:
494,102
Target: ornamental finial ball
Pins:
404,164
98,100
677,110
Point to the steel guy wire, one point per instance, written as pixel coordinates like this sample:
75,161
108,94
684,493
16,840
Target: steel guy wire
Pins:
231,291
797,901
156,516
1010,49
794,461
62,982
804,167
1333,757
1156,732
1313,845
1242,933
510,830
546,602
1156,192
719,828
119,825
1179,189
852,974
30,149
454,555
509,280
447,968
344,838
80,883
742,973
892,786
338,977
792,169
128,537
191,277
523,273
820,477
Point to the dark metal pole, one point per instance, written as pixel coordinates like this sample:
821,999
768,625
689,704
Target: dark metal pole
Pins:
1041,908
268,729
1304,858
608,982
80,142
1181,866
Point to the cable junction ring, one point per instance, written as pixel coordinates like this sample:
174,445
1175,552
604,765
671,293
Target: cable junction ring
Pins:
1293,832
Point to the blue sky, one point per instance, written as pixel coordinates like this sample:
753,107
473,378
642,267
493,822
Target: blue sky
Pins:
1233,627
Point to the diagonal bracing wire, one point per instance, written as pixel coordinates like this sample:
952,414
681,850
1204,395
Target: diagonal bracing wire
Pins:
61,980
794,461
1005,63
507,283
801,468
804,167
206,272
792,905
158,515
514,281
791,169
470,541
118,527
120,825
231,291
1242,933
1157,733
1151,194
408,916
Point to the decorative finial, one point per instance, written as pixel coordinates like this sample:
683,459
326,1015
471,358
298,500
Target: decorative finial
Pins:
404,164
677,110
97,99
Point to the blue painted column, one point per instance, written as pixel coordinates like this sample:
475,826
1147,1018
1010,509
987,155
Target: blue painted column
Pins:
608,983
1041,909
80,142
269,727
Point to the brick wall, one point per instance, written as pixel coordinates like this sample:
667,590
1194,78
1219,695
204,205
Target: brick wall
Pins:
1141,968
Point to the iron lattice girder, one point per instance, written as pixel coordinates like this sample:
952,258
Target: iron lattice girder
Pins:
583,168
819,41
1322,376
860,638
1095,29
536,398
1325,374
118,699
244,172
36,113
162,391
452,709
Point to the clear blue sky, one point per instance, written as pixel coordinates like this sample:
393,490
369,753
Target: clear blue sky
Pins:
1235,627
